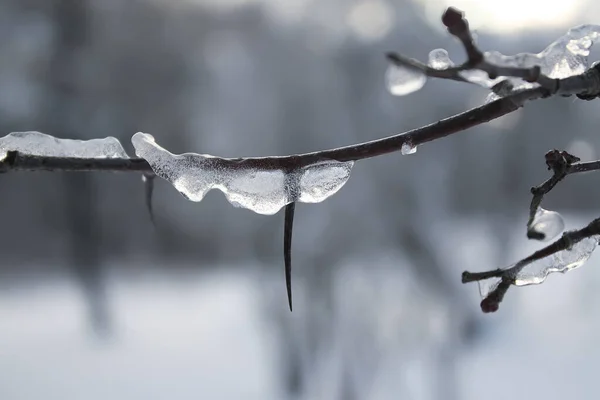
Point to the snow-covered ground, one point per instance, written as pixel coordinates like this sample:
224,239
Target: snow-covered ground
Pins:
199,337
205,336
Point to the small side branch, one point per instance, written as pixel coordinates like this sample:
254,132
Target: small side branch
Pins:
508,276
458,26
562,164
586,85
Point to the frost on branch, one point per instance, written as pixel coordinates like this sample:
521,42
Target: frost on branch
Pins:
41,144
262,189
533,272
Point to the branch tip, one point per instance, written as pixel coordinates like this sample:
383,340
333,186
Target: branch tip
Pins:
391,56
453,18
535,235
466,277
489,305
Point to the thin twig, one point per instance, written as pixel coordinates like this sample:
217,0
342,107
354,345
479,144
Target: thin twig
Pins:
508,276
562,164
458,26
586,84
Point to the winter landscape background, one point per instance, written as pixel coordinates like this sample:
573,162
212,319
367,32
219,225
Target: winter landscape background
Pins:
97,303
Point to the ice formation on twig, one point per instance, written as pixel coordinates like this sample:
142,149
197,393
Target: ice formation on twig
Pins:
246,182
41,144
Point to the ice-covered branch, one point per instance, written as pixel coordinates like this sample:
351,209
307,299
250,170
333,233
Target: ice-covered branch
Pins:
18,161
560,69
22,160
36,151
543,224
571,251
565,254
267,184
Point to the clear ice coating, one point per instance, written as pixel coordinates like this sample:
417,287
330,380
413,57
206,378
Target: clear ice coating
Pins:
567,56
401,81
491,97
536,272
439,59
321,180
487,286
264,191
563,261
550,223
41,144
408,148
481,78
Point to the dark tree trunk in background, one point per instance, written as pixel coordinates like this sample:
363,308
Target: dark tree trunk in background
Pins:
65,116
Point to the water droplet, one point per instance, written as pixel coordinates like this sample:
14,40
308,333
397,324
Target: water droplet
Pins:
439,59
548,223
408,148
401,81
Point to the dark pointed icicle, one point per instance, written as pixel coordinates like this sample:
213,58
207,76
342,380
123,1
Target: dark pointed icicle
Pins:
287,248
148,180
